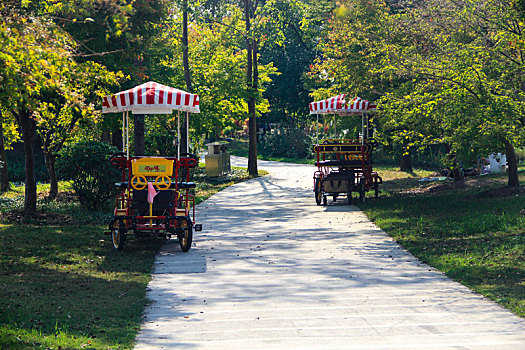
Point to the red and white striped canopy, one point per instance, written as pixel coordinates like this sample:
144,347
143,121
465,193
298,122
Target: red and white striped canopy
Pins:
151,98
340,106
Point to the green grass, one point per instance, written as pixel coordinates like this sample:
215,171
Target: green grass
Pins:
476,239
62,285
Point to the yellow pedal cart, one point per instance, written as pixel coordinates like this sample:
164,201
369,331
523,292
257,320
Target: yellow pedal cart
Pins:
156,196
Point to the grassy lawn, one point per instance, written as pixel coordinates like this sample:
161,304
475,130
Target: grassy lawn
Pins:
62,285
475,235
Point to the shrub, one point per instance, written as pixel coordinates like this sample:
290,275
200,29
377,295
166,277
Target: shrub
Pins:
228,131
87,164
292,143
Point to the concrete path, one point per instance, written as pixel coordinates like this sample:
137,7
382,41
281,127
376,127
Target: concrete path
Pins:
272,270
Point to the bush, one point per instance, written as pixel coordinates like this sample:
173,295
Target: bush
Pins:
87,164
291,143
228,131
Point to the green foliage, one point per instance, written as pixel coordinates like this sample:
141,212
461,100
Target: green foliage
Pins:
87,164
291,31
442,72
291,143
228,131
217,60
10,131
44,86
160,133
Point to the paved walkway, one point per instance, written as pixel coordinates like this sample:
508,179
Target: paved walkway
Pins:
271,270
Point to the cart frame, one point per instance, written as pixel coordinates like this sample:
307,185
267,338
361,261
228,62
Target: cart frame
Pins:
155,193
344,166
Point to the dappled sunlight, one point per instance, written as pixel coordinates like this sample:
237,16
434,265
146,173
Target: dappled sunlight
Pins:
272,267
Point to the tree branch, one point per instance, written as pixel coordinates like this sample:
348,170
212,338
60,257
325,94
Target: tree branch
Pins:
96,53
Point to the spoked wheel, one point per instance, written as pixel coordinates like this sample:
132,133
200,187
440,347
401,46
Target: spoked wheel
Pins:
118,237
325,201
186,236
318,190
362,191
350,188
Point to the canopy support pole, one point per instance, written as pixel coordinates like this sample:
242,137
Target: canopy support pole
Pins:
367,128
362,128
317,115
127,135
178,134
188,132
123,132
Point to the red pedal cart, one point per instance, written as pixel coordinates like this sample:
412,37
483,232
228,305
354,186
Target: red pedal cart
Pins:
155,197
344,166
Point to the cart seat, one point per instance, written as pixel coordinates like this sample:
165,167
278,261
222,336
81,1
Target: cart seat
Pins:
182,185
139,200
163,200
335,162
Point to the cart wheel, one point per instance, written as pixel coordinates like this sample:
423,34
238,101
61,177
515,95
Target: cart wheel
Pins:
376,189
186,237
118,237
349,196
318,190
325,201
362,192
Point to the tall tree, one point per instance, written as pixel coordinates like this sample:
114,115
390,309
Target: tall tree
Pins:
251,84
186,66
36,60
450,65
471,52
117,34
291,36
218,65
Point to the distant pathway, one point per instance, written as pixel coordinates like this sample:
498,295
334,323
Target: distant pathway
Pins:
272,270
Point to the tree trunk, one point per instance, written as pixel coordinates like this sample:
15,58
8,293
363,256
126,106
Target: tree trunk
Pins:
252,167
406,161
252,122
138,133
185,46
116,139
512,162
457,174
459,177
28,127
53,180
4,174
187,76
